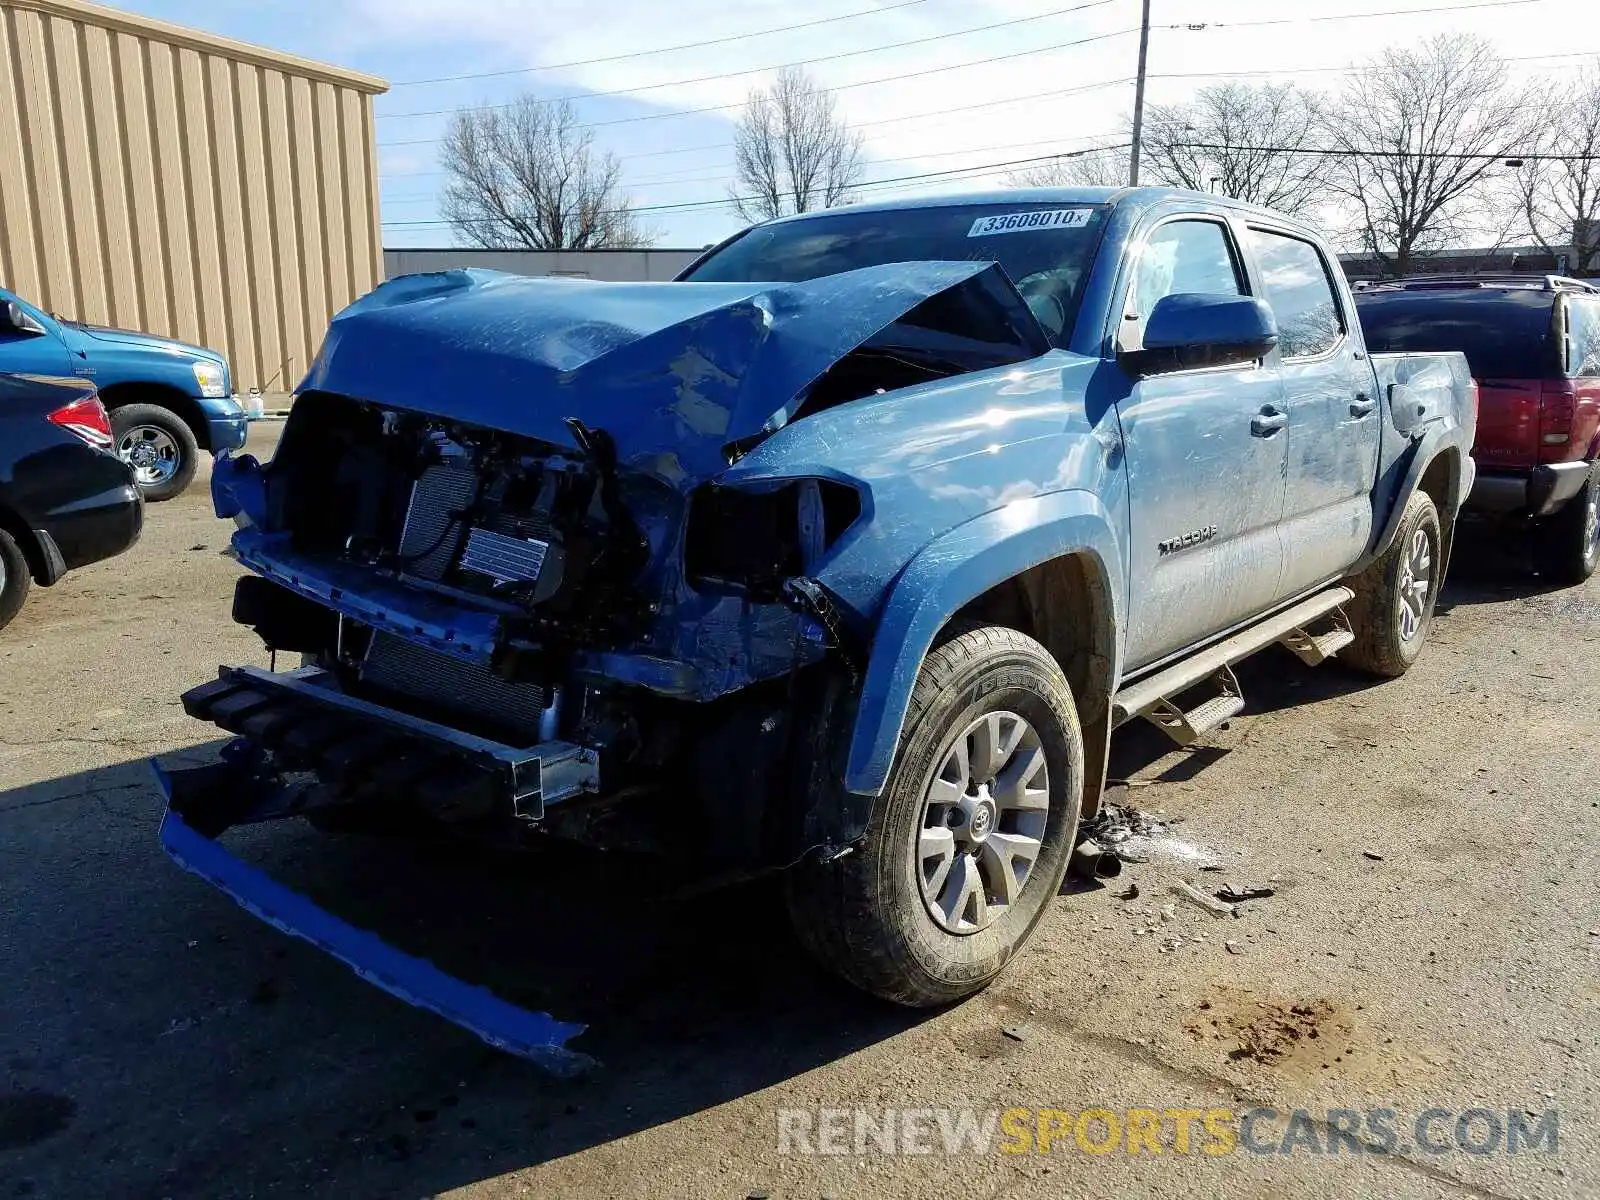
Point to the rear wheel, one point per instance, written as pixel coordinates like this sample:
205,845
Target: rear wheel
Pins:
158,445
14,578
1395,596
971,837
1566,547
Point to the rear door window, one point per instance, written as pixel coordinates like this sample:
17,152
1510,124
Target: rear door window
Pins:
1299,290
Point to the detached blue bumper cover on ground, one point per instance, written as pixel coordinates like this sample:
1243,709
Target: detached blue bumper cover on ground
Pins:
535,1036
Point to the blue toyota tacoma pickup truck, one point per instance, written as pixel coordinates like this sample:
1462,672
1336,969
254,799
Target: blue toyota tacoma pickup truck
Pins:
168,400
842,556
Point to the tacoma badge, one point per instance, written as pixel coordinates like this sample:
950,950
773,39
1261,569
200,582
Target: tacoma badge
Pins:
1193,538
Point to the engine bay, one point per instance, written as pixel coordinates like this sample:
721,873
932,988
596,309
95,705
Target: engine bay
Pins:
478,515
524,591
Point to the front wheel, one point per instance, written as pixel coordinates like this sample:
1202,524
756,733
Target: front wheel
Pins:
971,837
1393,606
158,445
1566,547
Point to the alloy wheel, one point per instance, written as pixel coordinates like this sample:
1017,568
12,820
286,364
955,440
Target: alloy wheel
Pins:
983,822
152,452
1416,584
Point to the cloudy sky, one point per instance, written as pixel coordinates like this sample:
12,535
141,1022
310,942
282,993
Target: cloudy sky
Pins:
953,89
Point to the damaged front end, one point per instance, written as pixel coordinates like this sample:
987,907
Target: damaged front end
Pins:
524,600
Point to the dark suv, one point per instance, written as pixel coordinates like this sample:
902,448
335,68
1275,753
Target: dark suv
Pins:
1533,343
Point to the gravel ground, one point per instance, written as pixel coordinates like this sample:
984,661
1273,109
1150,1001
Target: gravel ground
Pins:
1432,941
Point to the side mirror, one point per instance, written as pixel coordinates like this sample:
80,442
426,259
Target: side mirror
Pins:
1201,329
15,319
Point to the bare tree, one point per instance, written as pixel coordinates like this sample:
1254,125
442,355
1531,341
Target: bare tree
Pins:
1556,195
1107,167
1251,142
1416,134
792,151
527,175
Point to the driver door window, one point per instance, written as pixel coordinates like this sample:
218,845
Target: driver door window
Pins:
1178,258
1204,492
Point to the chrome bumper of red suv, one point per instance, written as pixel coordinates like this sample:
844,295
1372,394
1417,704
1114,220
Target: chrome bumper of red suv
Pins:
1533,493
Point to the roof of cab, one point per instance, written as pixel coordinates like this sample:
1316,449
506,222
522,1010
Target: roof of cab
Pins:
1143,197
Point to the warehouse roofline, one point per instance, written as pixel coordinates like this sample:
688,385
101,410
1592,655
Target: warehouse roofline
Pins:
181,35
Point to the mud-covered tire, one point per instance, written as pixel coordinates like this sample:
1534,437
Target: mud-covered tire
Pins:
175,456
14,578
1386,643
1566,546
863,916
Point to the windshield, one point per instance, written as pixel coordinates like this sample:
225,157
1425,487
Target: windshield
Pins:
1046,249
1505,334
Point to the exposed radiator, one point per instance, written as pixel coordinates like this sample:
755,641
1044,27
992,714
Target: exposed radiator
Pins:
429,540
432,541
399,666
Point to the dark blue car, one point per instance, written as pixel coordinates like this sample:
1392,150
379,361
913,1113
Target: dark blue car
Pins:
65,499
168,401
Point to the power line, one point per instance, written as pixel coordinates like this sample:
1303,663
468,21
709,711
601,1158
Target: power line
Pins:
1392,12
670,181
1330,152
802,62
870,12
918,116
949,173
1093,87
1039,96
717,41
1324,152
1270,71
843,87
1349,70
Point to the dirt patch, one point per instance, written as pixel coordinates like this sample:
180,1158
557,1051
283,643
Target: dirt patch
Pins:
27,1118
1274,1032
1406,796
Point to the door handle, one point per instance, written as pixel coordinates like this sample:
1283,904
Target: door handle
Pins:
1362,405
1267,422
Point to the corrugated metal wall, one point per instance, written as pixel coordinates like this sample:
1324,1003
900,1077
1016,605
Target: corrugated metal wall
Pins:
157,178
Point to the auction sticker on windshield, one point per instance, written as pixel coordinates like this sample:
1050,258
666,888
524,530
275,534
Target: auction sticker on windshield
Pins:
1028,222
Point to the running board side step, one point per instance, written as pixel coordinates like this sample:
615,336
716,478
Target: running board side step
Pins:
1314,649
1188,726
1154,697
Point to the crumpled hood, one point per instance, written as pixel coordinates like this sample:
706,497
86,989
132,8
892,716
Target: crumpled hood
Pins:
672,371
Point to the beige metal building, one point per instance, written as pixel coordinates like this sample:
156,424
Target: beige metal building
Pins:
158,178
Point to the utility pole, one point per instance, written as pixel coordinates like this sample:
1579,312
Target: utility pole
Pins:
1138,97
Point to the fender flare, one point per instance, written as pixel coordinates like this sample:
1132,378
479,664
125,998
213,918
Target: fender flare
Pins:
948,573
1419,457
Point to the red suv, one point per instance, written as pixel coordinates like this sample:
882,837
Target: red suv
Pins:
1533,343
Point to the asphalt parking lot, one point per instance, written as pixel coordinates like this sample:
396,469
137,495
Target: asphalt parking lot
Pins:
1432,942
